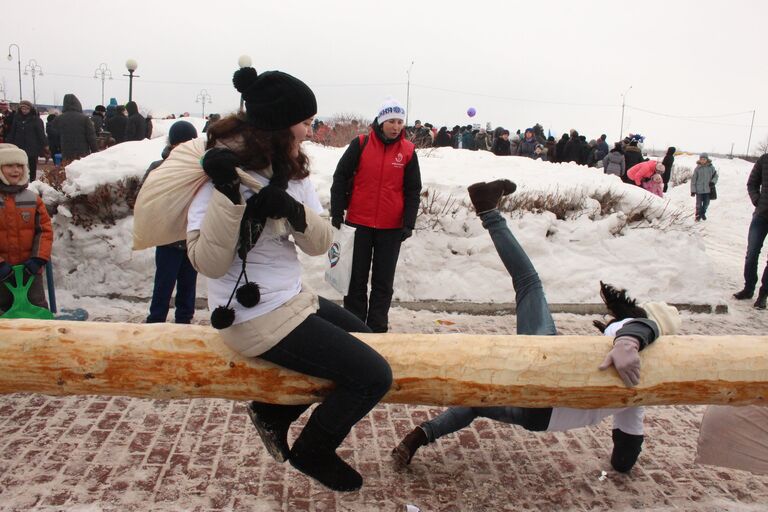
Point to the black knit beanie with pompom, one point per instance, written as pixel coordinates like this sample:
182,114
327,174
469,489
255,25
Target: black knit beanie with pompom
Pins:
274,100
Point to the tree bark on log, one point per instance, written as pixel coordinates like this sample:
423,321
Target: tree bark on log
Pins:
164,361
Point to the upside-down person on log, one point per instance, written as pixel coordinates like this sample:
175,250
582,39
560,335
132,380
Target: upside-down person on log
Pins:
633,328
240,240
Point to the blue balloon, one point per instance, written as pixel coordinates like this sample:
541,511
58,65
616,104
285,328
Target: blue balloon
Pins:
471,111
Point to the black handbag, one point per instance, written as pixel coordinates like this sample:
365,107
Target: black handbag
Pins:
712,191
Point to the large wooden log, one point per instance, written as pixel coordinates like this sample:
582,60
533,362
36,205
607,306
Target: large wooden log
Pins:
183,361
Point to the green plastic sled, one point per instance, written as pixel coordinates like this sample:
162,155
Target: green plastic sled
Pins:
21,307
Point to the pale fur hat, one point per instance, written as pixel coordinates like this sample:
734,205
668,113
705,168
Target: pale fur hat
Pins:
10,154
666,317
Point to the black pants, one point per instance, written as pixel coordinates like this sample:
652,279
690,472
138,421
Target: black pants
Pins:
321,346
32,161
382,248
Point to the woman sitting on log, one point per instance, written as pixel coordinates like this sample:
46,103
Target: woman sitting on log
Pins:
239,239
632,326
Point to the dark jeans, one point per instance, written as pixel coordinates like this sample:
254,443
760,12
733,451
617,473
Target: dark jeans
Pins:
32,161
173,269
380,247
321,346
758,229
533,318
702,203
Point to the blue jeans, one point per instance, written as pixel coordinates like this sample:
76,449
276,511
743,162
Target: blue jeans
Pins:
173,270
758,229
702,203
321,346
533,318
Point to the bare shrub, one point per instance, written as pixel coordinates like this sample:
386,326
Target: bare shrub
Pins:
342,128
762,147
105,205
680,175
434,206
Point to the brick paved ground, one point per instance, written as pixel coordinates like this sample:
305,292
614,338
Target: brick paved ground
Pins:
108,453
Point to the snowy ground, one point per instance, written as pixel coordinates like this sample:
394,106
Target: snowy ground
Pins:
450,257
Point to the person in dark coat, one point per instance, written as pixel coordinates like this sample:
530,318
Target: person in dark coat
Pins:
669,159
27,133
501,146
136,129
443,139
757,188
632,157
602,148
76,131
172,266
572,150
551,149
6,119
560,148
54,141
97,118
117,124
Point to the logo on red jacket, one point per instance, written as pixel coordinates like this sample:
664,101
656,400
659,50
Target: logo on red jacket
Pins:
25,216
399,158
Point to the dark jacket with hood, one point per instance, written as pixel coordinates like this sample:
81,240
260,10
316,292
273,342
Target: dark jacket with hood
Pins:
77,136
116,126
365,182
27,133
757,186
560,148
136,129
442,139
669,160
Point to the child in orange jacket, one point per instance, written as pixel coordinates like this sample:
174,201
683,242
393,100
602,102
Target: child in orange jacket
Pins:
26,235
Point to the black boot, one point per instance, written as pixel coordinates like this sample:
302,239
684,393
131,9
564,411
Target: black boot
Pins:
485,196
744,294
314,454
272,423
626,450
404,452
760,302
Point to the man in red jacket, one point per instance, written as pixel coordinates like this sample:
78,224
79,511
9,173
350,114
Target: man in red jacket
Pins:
378,183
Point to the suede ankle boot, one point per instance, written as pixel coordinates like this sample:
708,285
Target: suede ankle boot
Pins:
404,452
485,196
760,302
743,294
272,424
314,454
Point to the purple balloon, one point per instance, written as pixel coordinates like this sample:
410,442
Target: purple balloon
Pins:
471,111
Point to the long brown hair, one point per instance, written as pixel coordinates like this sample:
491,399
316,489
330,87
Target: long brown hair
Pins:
257,149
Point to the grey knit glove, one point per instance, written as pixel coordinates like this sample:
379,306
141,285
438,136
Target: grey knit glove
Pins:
625,357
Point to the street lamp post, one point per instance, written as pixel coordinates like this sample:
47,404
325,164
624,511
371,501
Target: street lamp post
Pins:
623,97
18,56
243,62
102,72
131,65
203,97
33,69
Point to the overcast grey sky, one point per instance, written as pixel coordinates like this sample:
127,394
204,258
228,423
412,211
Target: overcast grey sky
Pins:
564,64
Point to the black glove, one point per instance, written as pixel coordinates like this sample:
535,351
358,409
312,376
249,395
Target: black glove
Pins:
336,222
693,194
6,271
219,164
274,202
407,232
32,265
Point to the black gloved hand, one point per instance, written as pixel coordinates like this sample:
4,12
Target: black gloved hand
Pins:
6,271
219,164
693,194
336,222
32,266
407,232
275,203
